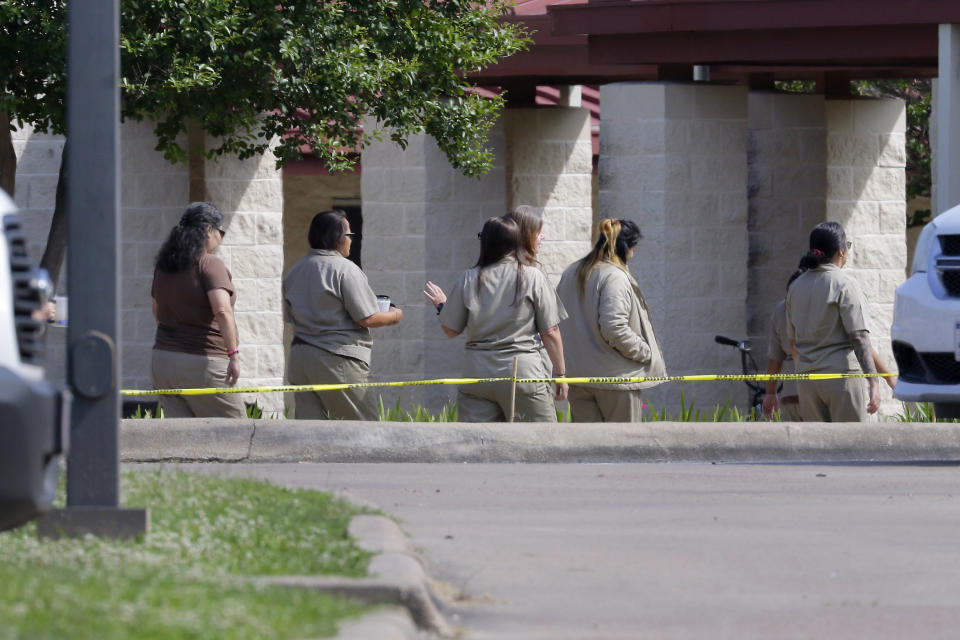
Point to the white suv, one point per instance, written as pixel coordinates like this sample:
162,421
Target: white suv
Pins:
33,413
926,319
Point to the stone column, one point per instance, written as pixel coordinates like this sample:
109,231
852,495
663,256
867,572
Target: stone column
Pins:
421,219
787,190
866,191
250,195
38,162
549,166
673,157
153,196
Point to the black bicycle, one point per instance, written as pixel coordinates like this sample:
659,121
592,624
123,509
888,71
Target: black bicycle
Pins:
749,367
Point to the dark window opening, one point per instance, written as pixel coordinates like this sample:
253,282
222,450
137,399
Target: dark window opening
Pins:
355,217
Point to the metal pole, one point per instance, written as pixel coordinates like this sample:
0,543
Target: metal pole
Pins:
93,222
513,388
947,96
93,235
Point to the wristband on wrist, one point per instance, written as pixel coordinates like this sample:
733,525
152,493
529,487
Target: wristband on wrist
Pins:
439,308
233,351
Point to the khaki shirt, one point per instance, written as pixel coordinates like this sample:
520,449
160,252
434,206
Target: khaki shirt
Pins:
778,347
491,319
324,296
824,306
609,329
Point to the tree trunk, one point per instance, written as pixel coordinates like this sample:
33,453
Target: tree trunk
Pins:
8,157
53,255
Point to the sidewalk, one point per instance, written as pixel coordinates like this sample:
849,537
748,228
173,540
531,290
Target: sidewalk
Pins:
221,440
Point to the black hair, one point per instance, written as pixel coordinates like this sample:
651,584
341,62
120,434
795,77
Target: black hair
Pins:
327,229
499,239
629,237
615,240
187,241
826,239
793,276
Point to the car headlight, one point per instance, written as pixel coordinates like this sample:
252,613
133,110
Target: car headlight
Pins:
924,247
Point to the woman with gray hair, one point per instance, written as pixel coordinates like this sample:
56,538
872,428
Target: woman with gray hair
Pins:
196,343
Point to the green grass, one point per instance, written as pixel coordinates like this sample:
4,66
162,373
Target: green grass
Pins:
418,414
185,579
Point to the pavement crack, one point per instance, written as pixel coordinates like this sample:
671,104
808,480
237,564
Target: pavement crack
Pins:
253,434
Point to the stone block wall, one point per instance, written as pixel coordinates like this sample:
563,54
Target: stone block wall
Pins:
673,158
250,195
549,165
866,193
787,190
421,219
304,196
38,165
153,196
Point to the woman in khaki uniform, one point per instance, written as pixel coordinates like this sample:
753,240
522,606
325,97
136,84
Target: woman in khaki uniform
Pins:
332,308
615,336
780,355
827,321
503,305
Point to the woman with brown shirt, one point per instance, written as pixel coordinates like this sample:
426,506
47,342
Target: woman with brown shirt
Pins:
196,344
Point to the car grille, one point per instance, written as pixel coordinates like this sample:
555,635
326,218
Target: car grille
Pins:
926,368
941,367
29,331
950,245
948,264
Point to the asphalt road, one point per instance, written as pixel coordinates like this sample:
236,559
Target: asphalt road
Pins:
616,551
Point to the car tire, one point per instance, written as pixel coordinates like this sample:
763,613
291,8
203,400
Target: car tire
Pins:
946,410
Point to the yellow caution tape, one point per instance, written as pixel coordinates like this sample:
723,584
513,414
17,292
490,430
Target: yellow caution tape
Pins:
294,388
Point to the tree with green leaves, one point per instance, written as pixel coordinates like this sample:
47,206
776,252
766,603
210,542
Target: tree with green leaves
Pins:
302,73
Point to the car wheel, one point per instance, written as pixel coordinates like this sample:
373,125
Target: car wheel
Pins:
946,410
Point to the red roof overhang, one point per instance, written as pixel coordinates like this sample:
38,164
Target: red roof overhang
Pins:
611,40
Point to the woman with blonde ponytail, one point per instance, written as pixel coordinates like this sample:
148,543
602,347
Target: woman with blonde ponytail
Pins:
615,336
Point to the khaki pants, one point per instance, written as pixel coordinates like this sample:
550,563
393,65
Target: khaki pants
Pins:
173,370
490,401
588,404
790,411
312,365
840,400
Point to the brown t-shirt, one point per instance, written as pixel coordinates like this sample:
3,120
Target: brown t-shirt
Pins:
185,321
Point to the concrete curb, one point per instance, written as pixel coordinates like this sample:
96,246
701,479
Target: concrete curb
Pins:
398,579
220,440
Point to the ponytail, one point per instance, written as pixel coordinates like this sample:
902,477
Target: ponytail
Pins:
616,239
826,239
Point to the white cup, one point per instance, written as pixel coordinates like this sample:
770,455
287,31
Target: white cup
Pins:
383,302
61,313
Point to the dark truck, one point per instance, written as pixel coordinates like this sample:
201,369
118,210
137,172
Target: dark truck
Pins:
34,415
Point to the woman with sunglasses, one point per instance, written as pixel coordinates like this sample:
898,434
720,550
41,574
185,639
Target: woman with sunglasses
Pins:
196,343
332,308
610,318
828,324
